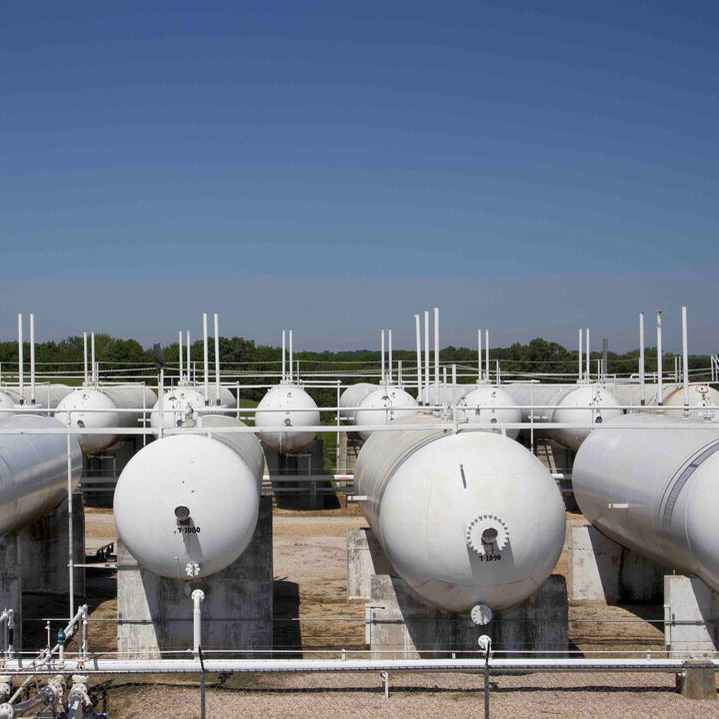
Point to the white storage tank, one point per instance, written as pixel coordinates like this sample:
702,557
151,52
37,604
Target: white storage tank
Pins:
578,404
282,413
90,408
700,395
655,490
352,397
186,506
466,519
33,470
179,405
447,396
227,397
489,406
384,405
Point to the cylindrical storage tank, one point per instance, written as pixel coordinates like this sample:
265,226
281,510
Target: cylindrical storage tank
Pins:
700,395
186,506
47,396
382,406
7,402
466,519
293,410
91,408
227,398
352,397
448,395
480,406
579,404
178,405
33,470
655,490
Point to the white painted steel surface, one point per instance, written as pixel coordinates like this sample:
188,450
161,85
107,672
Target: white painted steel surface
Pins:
700,395
570,404
47,396
33,470
227,398
667,485
384,405
432,495
488,399
299,410
352,397
448,394
217,478
94,408
178,405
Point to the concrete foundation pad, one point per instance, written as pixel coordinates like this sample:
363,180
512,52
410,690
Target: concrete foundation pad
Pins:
155,613
601,570
697,680
45,551
11,583
365,558
691,617
409,626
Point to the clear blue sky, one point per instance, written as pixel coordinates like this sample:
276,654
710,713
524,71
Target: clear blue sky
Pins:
202,156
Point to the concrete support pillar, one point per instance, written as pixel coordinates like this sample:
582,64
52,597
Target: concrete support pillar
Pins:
45,551
697,680
409,626
11,582
365,558
300,494
155,613
691,615
601,570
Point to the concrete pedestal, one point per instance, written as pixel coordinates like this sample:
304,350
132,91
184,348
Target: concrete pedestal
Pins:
155,613
697,680
601,570
297,494
11,582
403,623
691,617
365,558
45,551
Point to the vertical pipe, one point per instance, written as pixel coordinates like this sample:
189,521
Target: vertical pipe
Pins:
605,357
497,379
291,356
70,559
418,335
21,377
217,359
32,359
197,596
479,355
589,354
188,356
486,354
399,373
84,357
179,348
93,367
454,384
207,359
660,370
284,352
581,356
426,355
436,350
685,356
383,379
642,384
390,356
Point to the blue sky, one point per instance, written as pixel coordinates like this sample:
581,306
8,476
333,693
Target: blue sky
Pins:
319,158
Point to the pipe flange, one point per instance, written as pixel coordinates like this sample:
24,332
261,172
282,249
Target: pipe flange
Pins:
487,534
